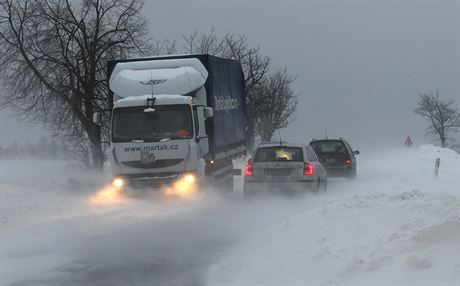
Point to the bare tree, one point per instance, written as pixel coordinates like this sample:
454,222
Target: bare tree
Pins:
54,54
259,82
255,67
441,116
279,104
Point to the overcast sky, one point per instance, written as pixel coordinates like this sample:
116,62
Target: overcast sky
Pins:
360,65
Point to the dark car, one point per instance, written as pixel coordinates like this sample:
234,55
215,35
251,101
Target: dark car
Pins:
337,156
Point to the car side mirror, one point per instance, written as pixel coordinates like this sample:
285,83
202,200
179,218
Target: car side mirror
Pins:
356,152
208,112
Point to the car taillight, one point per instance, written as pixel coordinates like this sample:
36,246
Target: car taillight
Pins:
248,170
348,162
307,169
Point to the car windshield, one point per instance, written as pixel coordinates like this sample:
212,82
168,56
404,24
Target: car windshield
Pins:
276,154
160,123
330,146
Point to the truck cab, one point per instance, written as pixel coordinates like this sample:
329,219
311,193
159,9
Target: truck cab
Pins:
164,117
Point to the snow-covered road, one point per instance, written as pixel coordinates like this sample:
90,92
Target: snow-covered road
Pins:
394,224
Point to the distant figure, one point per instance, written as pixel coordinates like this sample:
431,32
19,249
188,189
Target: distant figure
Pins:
408,142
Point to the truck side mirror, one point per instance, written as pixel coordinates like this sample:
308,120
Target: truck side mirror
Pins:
97,118
208,112
356,152
209,125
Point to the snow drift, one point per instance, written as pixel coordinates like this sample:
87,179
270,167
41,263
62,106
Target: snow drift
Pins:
394,223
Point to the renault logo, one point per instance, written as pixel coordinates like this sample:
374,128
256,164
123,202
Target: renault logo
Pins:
147,157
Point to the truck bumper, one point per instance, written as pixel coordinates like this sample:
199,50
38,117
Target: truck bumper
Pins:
151,183
185,182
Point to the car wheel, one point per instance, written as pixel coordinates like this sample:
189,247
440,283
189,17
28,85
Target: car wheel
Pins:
352,173
324,185
315,187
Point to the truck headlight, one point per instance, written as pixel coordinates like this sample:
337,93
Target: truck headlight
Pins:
189,178
185,186
118,182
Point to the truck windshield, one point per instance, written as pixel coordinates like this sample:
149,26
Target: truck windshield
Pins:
165,122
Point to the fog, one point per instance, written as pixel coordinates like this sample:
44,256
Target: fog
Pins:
13,129
360,65
57,231
394,223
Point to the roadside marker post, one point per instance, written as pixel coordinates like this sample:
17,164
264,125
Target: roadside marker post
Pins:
436,166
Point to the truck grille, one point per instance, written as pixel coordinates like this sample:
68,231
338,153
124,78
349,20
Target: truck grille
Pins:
152,182
156,164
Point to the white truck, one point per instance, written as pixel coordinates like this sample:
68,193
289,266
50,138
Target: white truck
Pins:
176,121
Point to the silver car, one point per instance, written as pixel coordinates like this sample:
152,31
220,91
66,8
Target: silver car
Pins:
283,167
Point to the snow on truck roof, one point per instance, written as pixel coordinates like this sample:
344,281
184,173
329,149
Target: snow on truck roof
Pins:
174,56
166,76
161,99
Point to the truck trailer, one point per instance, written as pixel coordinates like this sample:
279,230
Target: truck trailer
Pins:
176,120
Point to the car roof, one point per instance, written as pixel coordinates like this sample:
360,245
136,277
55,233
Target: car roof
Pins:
325,140
278,144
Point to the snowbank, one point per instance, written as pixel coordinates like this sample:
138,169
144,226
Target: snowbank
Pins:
408,238
394,224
